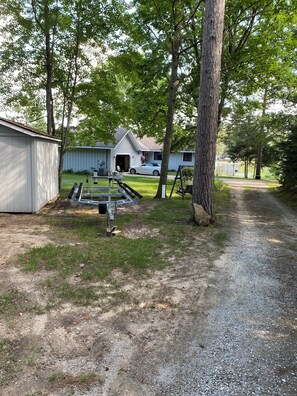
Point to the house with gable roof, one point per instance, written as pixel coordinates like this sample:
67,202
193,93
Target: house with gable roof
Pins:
125,152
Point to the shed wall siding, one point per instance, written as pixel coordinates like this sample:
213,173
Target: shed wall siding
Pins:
85,159
46,173
15,173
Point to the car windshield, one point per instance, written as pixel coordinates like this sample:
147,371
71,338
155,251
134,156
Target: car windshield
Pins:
150,164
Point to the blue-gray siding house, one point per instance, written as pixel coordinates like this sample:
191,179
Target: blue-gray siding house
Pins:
125,152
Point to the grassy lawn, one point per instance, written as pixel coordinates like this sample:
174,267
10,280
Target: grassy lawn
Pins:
145,185
288,197
84,258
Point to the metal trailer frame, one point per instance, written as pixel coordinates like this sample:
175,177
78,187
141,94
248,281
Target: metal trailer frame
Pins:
106,198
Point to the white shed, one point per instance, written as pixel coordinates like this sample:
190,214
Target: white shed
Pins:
28,168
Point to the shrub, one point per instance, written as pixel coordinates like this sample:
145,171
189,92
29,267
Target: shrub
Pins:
287,167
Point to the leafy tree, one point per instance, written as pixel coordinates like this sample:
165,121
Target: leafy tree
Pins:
251,65
47,49
246,132
101,104
161,31
241,140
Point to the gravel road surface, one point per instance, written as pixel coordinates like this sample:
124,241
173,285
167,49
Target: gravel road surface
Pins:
246,343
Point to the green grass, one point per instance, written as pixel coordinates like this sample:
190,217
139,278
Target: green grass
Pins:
61,380
14,302
15,355
288,197
220,238
146,186
77,271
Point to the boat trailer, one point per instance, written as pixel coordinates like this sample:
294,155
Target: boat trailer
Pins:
106,198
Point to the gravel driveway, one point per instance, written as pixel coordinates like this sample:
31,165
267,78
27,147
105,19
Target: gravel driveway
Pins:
242,337
213,324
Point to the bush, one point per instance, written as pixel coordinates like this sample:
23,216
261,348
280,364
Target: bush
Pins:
188,173
79,172
287,167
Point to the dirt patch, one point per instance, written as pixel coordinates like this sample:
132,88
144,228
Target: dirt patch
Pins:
138,230
20,232
86,350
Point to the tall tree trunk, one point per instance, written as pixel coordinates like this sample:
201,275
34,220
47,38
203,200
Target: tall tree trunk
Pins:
246,169
49,96
173,86
49,73
259,161
206,136
46,27
69,97
224,89
260,145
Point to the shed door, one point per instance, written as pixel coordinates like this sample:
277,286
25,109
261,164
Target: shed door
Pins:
15,174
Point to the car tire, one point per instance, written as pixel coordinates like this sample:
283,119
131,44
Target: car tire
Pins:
156,173
132,171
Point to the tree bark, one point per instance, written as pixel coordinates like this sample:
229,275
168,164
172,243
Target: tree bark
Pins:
49,96
207,128
259,161
49,74
46,27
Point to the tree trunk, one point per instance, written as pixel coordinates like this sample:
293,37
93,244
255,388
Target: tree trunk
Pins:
246,169
173,85
206,136
260,145
49,74
259,161
224,89
69,98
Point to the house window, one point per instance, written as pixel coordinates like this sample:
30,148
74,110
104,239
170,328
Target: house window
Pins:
157,156
187,157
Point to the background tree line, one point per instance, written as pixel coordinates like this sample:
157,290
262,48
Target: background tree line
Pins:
79,69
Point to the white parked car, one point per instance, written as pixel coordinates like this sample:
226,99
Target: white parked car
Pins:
148,168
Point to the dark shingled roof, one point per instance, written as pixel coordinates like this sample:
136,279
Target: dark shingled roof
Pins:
120,133
27,128
149,143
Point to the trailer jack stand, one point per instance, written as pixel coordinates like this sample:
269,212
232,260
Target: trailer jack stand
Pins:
111,228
